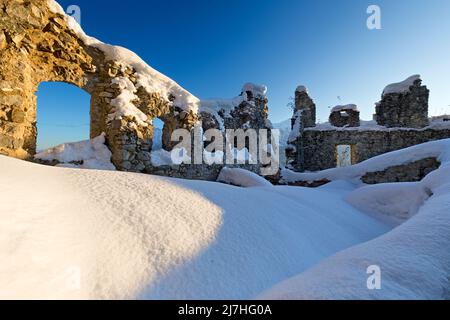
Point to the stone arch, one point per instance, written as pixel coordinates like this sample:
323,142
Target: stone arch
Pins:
37,45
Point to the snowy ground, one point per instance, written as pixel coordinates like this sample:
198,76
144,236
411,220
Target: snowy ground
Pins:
91,234
73,233
414,258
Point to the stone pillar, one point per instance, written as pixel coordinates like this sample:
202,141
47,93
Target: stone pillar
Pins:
304,102
304,117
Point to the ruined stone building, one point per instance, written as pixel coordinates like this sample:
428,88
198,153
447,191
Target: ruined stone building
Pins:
401,121
40,43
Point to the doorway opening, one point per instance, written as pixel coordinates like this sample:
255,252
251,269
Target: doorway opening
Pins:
344,155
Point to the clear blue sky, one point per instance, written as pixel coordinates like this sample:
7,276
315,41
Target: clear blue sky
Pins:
212,47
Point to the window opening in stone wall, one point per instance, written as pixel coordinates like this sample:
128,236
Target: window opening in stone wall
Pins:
62,114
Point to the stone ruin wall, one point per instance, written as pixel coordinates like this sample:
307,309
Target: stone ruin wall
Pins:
320,146
411,172
406,110
36,45
403,121
345,118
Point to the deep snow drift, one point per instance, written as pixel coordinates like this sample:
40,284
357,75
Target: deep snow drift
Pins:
414,258
70,233
89,234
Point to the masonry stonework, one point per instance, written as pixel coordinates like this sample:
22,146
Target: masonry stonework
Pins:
345,118
404,109
320,145
401,121
306,105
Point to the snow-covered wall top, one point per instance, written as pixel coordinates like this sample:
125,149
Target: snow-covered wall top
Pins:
255,89
301,89
401,87
353,107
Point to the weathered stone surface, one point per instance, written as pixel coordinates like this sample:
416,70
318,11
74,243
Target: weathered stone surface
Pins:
320,146
36,45
407,109
315,148
306,104
345,118
3,42
410,172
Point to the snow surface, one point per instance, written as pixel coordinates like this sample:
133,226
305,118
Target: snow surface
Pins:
93,154
147,77
401,87
255,89
394,203
414,258
242,178
87,234
124,102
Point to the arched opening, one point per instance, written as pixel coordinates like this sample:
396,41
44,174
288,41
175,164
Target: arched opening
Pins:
62,114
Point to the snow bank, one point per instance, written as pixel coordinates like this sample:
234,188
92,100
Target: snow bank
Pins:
242,178
413,258
86,234
147,77
439,149
394,203
92,154
401,87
